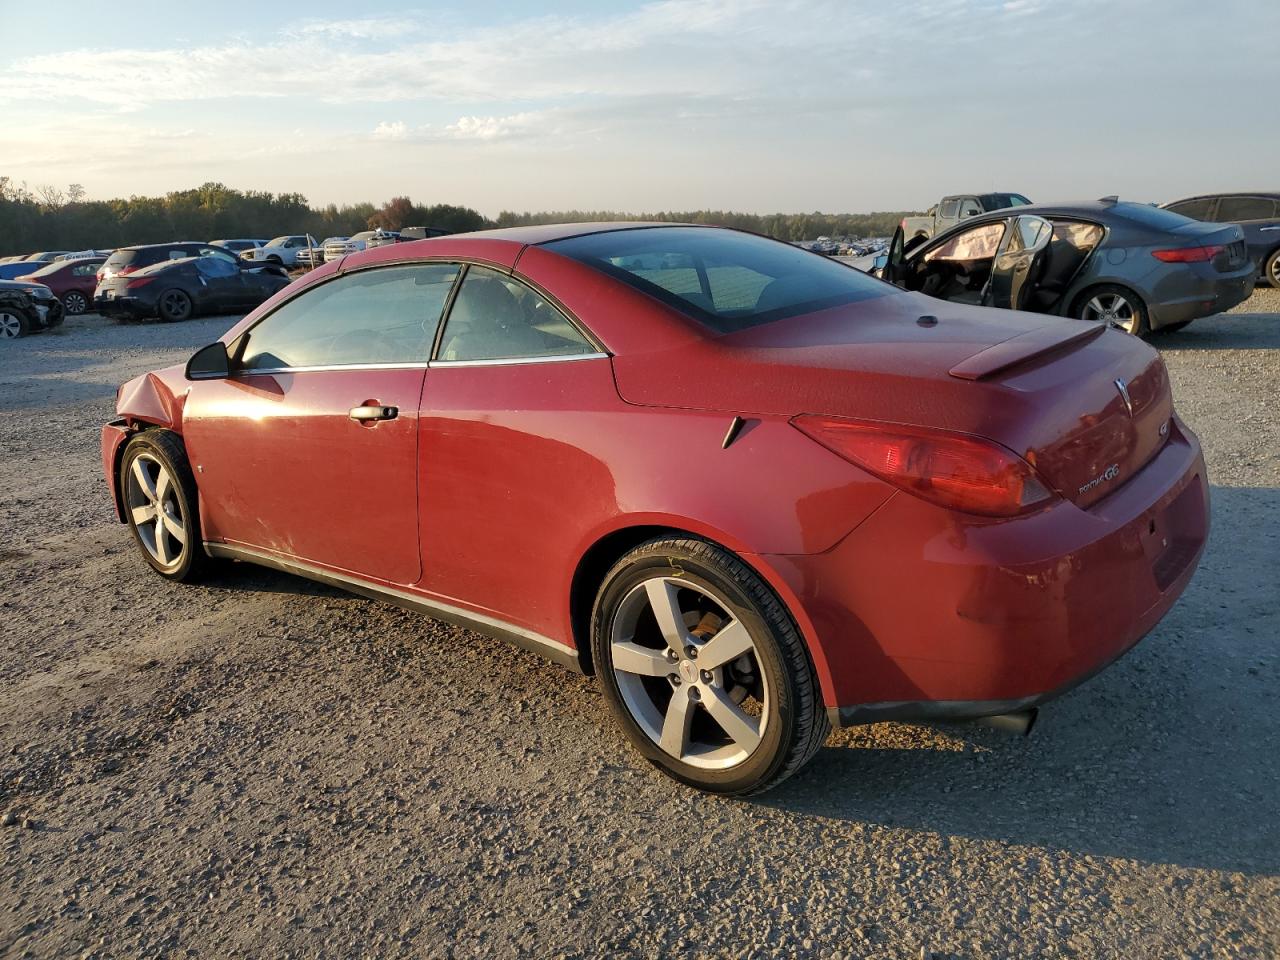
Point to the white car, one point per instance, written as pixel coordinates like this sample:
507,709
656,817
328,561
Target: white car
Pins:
281,250
340,247
314,256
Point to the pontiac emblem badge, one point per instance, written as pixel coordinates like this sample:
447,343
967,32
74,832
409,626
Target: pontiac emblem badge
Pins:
1124,395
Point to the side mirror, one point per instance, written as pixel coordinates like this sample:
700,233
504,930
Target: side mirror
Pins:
209,363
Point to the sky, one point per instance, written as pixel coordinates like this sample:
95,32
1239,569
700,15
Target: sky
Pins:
791,105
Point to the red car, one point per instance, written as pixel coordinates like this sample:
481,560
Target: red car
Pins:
72,281
753,490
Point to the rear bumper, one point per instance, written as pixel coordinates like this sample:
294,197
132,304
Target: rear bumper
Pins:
1200,292
924,614
121,307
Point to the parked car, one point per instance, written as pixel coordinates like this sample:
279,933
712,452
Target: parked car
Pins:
72,281
337,247
216,281
128,260
26,308
743,484
18,268
422,233
44,256
282,250
238,246
1257,214
1128,264
314,256
949,211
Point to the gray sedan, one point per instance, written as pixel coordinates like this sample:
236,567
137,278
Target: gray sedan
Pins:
1132,265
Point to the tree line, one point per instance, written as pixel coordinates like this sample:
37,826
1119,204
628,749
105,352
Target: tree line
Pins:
49,218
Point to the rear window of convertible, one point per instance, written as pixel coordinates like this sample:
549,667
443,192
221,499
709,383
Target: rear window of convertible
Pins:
725,279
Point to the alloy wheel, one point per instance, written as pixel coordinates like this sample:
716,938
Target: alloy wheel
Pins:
689,673
174,305
10,326
1275,272
75,303
151,497
1113,309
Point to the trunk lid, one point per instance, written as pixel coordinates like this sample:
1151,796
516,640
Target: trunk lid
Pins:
1229,236
1042,386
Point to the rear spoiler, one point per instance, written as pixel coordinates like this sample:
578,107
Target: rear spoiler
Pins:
1025,347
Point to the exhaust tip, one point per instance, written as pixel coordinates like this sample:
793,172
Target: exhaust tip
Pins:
1019,722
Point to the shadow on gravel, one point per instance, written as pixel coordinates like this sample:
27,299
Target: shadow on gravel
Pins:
1170,756
1225,331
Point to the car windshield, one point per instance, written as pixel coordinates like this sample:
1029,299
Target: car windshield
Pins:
726,279
278,241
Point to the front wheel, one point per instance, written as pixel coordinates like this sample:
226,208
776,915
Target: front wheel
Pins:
704,669
160,506
13,324
1116,306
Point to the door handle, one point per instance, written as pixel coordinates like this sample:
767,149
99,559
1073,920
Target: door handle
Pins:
368,414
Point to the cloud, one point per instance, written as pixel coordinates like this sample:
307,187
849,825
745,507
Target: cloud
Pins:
473,128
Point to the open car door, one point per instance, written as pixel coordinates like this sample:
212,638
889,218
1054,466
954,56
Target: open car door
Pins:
1019,262
894,262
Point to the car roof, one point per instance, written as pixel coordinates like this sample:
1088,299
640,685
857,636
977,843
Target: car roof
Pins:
1215,196
550,232
171,243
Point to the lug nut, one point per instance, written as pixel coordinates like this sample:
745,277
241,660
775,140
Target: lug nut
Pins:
672,656
694,694
674,678
706,676
691,652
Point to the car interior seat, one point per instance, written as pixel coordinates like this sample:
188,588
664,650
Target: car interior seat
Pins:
487,323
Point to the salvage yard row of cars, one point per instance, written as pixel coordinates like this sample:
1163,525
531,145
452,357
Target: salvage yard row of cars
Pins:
1137,266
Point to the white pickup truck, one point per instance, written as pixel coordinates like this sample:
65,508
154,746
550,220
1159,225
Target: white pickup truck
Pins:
951,210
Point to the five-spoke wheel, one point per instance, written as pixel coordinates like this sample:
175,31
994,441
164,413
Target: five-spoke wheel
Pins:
159,500
704,668
1115,306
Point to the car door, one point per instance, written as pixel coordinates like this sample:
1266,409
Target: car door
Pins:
219,275
309,449
1017,263
895,258
1258,218
515,385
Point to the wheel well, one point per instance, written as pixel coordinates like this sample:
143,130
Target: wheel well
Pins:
595,563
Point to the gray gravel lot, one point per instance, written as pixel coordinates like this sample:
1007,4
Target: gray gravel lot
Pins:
262,767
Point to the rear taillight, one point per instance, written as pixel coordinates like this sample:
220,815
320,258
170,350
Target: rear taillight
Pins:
137,282
1188,254
953,470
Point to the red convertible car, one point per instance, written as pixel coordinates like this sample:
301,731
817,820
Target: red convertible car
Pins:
754,491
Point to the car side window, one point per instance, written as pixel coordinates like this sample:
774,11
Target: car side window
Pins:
1232,209
384,315
1195,209
85,269
970,208
495,317
949,208
179,254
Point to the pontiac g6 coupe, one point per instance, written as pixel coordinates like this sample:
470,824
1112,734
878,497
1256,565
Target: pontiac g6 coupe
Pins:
753,491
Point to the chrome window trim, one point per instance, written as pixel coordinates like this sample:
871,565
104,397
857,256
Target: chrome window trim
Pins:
324,368
511,361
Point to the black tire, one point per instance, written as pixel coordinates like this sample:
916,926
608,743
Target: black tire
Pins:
274,259
1135,316
174,305
1271,269
796,725
13,324
75,303
165,448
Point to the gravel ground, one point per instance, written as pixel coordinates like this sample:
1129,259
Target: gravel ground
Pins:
264,767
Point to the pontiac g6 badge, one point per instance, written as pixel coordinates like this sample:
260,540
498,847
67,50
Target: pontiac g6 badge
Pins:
1124,395
1106,475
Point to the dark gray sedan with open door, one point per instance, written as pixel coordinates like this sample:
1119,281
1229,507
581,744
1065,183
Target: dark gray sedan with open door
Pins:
1132,265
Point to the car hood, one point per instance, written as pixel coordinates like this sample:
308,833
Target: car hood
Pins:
1043,386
